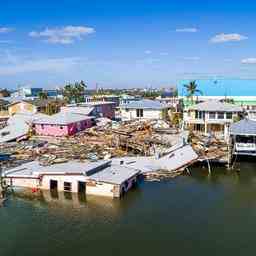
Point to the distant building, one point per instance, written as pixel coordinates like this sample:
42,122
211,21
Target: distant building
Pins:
26,91
103,98
172,102
4,93
99,178
221,87
211,117
144,109
48,106
126,99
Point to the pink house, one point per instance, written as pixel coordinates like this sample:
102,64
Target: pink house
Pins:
97,109
62,124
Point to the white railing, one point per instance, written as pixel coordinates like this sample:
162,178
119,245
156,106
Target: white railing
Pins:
245,146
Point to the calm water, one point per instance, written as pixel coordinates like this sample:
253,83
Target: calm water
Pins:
196,215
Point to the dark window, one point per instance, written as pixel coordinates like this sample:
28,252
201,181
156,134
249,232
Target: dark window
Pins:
212,115
220,115
42,126
229,115
139,112
200,114
61,127
67,186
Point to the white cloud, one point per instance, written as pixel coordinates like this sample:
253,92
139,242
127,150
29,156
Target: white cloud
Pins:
5,30
186,30
148,52
64,35
251,61
223,38
13,65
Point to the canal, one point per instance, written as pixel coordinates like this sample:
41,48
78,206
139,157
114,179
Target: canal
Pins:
189,215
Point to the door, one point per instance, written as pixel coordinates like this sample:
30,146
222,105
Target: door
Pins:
54,188
81,187
53,184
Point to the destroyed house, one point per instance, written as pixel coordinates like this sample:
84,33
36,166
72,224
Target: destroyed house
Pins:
243,136
89,178
64,123
144,109
211,117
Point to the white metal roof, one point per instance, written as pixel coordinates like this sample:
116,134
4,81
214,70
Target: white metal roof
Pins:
115,174
144,104
213,105
243,127
18,126
34,169
62,118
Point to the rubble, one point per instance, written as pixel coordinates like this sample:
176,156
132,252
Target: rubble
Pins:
210,148
153,147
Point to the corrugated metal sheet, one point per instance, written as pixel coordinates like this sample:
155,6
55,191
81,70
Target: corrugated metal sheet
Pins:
243,127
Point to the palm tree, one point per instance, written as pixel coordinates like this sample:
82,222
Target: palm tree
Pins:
43,95
191,88
74,92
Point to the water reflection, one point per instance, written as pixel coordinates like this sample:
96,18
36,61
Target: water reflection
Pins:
243,173
70,203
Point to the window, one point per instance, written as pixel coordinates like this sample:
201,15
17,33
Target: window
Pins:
61,127
42,126
220,115
67,186
139,112
200,114
212,115
229,115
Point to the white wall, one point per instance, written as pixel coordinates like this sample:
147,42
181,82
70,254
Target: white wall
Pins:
45,184
100,189
147,114
23,182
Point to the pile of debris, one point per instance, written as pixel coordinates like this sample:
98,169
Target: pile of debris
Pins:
134,138
209,147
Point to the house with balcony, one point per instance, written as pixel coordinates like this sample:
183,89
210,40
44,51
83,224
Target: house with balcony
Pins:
211,118
243,137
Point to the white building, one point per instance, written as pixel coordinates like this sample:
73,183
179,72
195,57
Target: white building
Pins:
143,109
211,117
98,178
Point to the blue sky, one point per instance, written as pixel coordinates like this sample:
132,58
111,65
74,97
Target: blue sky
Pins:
125,43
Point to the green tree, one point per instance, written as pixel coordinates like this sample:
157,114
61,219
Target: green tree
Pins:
192,90
43,95
75,92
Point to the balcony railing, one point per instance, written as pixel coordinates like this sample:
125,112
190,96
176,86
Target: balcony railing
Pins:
245,146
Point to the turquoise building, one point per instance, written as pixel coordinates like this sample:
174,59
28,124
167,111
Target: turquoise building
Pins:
221,87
